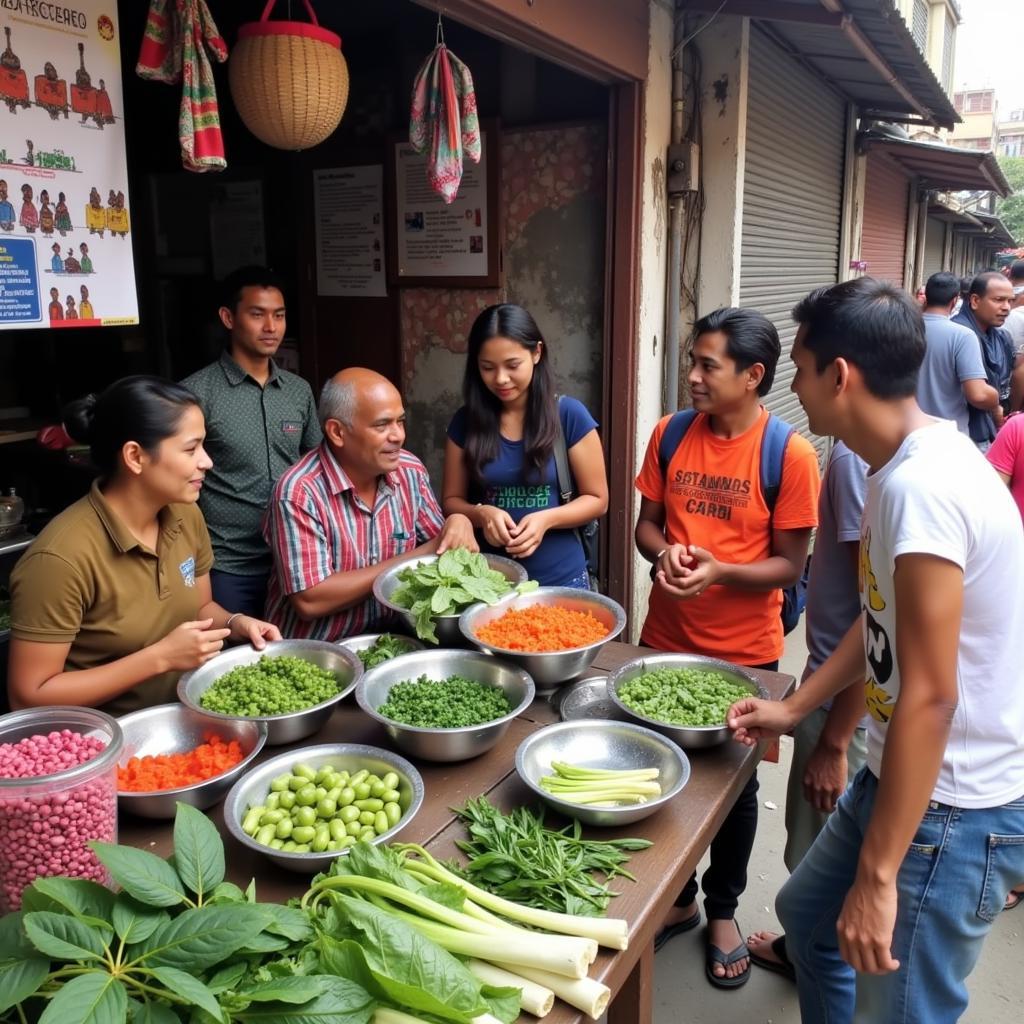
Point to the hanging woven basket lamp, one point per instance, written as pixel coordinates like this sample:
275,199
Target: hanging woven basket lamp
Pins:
289,80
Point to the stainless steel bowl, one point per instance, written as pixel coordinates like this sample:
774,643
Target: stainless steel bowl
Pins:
365,641
445,744
446,626
548,668
252,789
596,744
690,736
176,729
295,725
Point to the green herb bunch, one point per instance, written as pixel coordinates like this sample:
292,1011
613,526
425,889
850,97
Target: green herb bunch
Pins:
384,648
683,696
274,685
449,584
451,703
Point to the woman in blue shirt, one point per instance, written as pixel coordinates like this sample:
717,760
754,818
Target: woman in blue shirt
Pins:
499,465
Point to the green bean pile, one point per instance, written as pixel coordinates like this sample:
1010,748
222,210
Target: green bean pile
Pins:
450,703
319,810
272,686
682,696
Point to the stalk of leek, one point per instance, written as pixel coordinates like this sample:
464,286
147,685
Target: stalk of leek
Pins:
534,998
585,994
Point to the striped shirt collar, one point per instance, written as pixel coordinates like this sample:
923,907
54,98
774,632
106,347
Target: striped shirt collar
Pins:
338,481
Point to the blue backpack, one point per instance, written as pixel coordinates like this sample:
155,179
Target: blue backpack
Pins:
773,453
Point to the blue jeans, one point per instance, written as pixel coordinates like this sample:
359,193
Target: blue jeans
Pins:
951,886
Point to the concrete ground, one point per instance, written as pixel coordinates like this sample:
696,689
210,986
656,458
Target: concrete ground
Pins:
683,995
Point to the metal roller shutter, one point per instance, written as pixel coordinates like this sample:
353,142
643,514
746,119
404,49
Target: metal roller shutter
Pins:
883,240
792,200
934,245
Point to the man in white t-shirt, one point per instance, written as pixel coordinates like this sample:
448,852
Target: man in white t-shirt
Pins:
886,914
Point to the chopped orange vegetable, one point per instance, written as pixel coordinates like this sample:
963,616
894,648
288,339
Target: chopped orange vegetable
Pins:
172,771
540,627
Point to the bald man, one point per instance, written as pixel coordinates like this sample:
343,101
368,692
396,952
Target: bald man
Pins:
349,509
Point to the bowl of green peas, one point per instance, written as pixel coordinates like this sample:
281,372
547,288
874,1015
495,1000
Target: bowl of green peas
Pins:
683,696
292,685
303,808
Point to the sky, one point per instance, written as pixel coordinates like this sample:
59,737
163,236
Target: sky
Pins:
990,50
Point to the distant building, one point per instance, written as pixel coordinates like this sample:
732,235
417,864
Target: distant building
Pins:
980,126
1011,134
933,24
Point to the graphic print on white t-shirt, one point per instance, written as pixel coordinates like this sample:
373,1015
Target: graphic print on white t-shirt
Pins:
878,646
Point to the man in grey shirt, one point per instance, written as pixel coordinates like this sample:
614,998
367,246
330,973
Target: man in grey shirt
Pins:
952,375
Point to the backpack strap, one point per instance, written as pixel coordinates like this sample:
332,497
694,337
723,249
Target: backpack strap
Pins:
774,441
675,431
561,454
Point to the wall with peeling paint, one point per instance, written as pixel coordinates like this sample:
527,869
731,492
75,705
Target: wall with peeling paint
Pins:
553,211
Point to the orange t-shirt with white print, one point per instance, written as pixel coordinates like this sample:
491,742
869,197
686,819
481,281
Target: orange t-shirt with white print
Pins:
713,498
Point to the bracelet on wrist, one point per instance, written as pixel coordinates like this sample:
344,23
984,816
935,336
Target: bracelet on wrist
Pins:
231,618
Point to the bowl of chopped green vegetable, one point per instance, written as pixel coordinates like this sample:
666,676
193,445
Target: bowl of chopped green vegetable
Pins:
303,808
682,696
428,593
374,649
292,685
606,773
445,705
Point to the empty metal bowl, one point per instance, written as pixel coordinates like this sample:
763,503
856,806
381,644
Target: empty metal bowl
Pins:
446,626
445,744
690,736
295,725
548,668
365,641
596,744
252,788
176,729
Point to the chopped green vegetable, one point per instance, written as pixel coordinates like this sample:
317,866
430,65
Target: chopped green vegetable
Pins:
449,584
515,856
682,696
451,703
272,686
384,648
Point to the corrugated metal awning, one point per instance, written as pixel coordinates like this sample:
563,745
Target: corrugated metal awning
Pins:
941,167
864,48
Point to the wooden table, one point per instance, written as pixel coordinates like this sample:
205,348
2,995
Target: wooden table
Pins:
681,832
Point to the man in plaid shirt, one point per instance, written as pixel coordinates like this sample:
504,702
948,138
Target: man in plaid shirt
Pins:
349,509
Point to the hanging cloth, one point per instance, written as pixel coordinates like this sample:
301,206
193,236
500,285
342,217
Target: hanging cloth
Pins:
178,34
443,120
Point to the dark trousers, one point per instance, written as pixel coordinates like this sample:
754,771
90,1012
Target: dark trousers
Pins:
726,876
234,593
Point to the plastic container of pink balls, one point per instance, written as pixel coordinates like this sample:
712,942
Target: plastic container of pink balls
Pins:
58,792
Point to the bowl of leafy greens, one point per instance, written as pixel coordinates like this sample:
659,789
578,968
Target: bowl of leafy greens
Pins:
373,649
428,593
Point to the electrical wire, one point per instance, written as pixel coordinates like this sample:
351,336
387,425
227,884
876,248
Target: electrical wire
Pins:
696,32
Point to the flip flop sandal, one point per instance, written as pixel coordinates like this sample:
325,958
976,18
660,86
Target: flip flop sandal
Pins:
676,929
713,955
1014,898
781,966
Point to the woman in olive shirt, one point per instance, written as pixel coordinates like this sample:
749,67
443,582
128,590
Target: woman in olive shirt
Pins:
112,601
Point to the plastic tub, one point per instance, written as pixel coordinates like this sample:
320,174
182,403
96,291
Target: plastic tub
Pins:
47,821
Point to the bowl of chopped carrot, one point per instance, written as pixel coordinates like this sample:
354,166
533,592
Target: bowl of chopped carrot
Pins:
172,753
554,633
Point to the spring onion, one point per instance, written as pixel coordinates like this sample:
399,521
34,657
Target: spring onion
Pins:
580,785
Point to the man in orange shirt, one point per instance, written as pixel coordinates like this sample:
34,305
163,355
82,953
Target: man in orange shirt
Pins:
721,557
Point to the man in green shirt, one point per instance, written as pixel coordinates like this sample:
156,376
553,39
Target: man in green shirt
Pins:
259,420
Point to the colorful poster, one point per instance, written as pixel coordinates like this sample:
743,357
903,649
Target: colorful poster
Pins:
65,221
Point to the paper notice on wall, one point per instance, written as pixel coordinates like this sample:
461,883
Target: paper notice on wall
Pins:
65,221
435,238
348,210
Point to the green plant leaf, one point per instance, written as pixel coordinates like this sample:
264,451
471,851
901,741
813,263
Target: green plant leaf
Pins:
183,984
227,892
134,921
225,978
61,937
502,1002
295,989
14,942
198,850
197,939
20,978
526,586
441,600
291,922
151,1012
93,998
341,1002
264,943
141,874
87,900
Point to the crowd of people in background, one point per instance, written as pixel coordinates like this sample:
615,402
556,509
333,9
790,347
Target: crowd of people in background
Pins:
233,507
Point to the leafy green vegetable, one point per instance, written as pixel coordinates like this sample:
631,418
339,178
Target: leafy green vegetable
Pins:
383,649
451,703
198,850
447,585
683,696
141,874
88,999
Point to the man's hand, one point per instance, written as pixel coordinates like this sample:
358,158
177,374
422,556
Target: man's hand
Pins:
865,927
457,532
753,719
527,535
692,577
825,778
